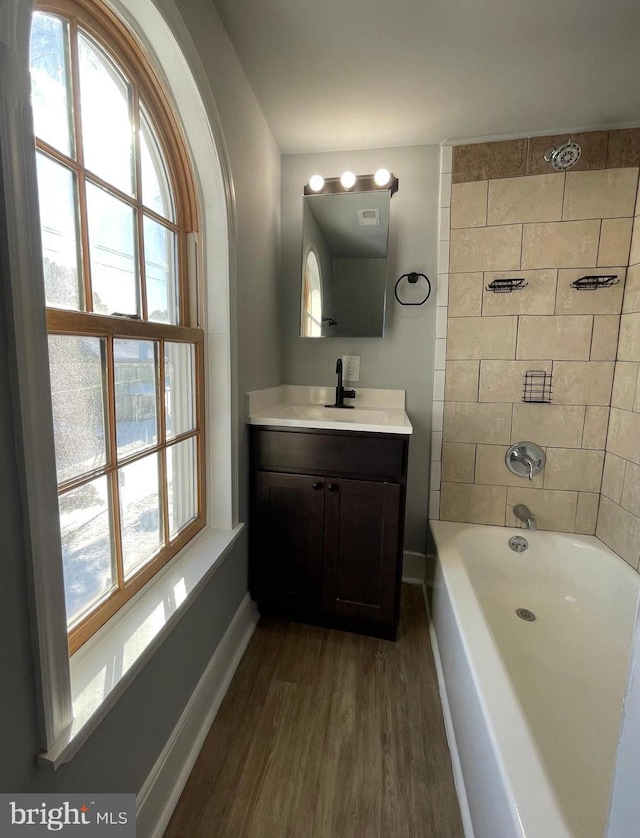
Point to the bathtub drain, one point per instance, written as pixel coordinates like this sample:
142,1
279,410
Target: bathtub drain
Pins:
525,614
518,543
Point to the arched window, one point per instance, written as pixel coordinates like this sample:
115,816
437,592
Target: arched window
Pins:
117,208
312,295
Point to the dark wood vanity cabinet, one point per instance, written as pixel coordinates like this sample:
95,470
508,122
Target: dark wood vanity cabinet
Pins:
327,526
287,546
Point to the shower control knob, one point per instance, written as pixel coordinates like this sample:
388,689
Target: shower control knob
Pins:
525,459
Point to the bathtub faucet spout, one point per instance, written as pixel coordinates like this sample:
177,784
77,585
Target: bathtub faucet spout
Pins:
524,514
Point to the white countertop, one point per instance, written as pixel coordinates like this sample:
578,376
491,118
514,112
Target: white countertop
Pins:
299,406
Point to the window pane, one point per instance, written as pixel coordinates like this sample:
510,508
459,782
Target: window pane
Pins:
140,512
179,386
181,485
77,393
136,399
112,249
156,192
49,82
58,225
160,266
107,126
87,546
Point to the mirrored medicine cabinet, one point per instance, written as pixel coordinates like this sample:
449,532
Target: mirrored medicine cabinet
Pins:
344,259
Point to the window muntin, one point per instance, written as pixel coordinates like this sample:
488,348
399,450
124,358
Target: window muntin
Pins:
116,206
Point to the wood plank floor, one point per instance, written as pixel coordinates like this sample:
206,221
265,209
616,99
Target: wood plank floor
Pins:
325,734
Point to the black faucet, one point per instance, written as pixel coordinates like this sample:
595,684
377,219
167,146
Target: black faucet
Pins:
341,393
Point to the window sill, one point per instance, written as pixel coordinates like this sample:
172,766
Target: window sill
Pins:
103,668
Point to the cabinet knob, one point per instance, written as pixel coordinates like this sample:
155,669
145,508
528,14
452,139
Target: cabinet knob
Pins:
333,487
317,486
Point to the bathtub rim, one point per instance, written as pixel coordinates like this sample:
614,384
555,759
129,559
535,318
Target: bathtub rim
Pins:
534,806
456,764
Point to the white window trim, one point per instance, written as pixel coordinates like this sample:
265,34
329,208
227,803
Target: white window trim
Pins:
139,625
103,668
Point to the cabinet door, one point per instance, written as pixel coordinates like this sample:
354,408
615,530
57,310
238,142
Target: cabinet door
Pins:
361,552
288,550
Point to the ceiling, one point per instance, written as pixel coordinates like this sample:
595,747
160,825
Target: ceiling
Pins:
344,74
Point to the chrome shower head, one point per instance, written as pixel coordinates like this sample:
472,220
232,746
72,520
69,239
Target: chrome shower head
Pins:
564,156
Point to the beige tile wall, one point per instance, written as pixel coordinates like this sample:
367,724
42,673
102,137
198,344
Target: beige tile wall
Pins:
618,522
549,229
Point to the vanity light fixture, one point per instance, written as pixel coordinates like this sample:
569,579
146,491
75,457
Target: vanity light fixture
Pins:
382,180
316,183
348,180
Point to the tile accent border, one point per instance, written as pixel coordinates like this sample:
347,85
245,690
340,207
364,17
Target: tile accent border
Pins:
617,149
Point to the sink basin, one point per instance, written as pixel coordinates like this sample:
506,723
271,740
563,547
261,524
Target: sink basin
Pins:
320,413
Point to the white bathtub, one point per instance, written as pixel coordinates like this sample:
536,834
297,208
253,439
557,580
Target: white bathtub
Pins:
534,706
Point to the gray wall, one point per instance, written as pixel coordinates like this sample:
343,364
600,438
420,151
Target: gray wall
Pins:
255,167
404,357
121,752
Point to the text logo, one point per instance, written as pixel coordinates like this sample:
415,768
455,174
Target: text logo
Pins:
87,816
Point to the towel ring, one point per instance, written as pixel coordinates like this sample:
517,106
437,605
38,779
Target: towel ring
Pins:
412,278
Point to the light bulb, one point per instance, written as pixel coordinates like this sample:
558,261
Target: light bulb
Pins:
316,183
348,179
382,177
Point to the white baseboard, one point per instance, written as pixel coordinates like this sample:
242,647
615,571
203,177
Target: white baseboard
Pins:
456,765
413,567
164,785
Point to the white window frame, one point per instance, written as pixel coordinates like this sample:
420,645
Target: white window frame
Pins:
68,688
